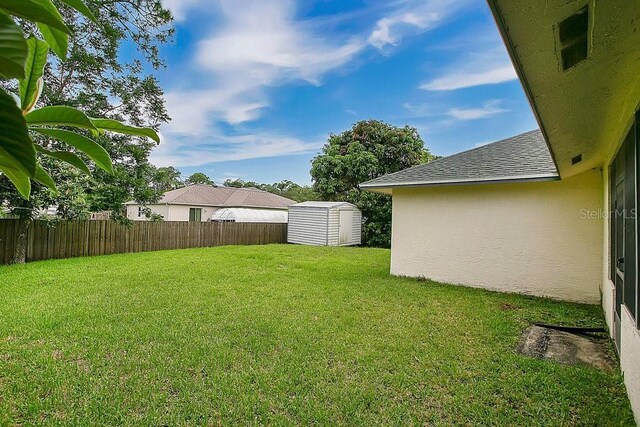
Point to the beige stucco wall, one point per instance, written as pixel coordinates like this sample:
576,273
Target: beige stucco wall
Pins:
532,238
170,212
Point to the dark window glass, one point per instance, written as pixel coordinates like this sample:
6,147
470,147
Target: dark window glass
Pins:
624,227
195,214
630,234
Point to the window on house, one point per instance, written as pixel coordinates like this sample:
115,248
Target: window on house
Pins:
195,214
573,33
140,212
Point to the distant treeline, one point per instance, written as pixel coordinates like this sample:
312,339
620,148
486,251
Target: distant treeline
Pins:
286,188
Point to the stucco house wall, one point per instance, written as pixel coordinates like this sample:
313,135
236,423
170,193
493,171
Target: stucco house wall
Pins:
530,237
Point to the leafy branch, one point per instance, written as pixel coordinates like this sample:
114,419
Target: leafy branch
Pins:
25,60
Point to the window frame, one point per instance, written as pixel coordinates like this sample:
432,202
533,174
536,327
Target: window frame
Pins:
195,214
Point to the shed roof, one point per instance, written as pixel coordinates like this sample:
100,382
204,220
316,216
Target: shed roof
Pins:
524,157
208,195
324,205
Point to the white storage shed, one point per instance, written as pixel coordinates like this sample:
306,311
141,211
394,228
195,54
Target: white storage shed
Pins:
324,224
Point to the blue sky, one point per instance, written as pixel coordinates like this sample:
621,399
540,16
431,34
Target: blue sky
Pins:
255,87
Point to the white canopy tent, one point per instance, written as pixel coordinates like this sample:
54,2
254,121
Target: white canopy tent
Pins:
250,215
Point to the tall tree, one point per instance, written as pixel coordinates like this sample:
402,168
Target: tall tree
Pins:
199,178
99,80
166,179
368,150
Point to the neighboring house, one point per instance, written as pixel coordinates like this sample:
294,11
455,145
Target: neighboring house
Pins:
201,202
499,217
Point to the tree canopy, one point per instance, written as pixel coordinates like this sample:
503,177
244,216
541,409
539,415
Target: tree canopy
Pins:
29,126
366,151
94,79
199,178
61,94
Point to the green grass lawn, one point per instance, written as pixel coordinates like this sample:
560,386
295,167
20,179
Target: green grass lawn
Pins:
280,335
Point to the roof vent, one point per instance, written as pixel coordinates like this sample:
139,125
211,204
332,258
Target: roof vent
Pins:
577,159
574,38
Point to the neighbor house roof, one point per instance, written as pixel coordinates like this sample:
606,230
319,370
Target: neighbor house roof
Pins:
208,195
523,157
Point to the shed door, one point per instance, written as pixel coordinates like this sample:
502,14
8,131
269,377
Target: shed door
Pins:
346,227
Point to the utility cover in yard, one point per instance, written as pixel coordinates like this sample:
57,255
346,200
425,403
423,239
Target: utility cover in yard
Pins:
567,348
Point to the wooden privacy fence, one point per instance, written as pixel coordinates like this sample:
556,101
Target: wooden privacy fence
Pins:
67,239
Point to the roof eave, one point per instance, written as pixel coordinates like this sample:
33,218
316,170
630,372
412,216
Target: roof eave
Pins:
501,180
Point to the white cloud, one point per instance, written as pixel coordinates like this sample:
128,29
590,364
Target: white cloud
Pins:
258,45
465,78
384,34
447,117
192,111
488,110
483,60
182,151
179,8
262,44
412,15
420,110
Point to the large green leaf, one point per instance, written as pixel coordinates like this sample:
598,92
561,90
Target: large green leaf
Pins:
44,178
19,179
82,8
35,11
117,127
92,149
66,157
31,85
16,146
56,39
13,49
59,116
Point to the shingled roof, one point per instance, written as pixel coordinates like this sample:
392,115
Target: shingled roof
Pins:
524,157
208,195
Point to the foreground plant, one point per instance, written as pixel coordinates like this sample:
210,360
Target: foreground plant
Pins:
25,60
